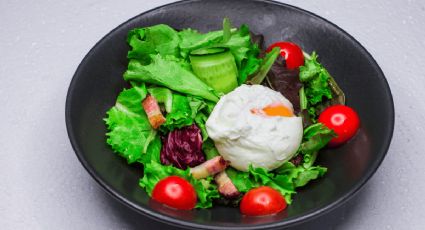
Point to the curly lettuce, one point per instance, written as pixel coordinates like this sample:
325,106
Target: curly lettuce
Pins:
130,134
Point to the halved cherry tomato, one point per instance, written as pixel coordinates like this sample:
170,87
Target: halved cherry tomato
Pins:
175,192
262,201
292,53
343,120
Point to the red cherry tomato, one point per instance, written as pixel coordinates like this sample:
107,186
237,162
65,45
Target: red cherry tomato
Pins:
343,120
175,192
292,53
262,201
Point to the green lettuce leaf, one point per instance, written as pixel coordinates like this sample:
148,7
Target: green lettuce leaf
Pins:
172,73
153,172
130,133
162,95
159,39
179,116
315,78
209,149
249,65
315,137
266,65
298,176
191,39
308,174
201,110
320,89
245,53
242,180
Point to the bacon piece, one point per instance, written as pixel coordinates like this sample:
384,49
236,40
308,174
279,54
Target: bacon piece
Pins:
151,107
226,186
209,167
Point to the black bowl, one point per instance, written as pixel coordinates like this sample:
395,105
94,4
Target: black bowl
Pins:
98,80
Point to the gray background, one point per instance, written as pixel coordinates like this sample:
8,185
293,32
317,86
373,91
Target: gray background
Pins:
42,184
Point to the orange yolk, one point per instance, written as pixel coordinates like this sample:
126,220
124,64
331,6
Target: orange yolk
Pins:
278,110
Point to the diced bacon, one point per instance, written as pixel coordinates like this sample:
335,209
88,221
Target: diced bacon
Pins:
151,107
209,167
226,186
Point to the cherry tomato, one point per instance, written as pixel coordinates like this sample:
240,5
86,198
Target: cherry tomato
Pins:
262,201
175,192
343,120
292,53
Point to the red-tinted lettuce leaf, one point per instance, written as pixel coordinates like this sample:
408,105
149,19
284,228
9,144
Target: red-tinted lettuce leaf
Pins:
285,81
182,148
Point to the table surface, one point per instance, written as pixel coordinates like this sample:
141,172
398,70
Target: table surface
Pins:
44,186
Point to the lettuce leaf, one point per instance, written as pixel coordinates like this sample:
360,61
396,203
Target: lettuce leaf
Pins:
172,73
315,78
320,89
162,95
179,116
298,176
201,110
130,134
242,180
245,52
159,39
209,149
315,138
191,39
154,171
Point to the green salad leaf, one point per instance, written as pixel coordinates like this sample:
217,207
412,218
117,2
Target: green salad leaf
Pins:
242,180
209,149
162,95
130,134
155,171
315,138
201,109
191,39
298,176
315,78
159,39
319,88
266,65
179,116
172,73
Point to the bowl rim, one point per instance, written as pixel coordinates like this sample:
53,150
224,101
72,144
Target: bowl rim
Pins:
310,215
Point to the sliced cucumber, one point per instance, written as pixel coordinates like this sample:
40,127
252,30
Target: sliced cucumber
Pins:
216,67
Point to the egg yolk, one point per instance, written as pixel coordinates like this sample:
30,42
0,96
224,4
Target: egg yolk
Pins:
278,110
275,109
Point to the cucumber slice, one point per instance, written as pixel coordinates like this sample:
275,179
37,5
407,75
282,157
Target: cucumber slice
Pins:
216,67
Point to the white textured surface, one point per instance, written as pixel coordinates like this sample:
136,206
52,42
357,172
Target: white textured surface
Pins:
43,186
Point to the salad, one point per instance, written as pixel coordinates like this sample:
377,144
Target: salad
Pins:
217,119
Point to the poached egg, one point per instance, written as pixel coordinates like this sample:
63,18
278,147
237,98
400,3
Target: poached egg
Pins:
255,125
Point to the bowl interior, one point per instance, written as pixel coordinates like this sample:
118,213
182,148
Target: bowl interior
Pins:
98,81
